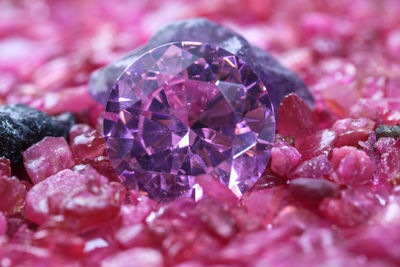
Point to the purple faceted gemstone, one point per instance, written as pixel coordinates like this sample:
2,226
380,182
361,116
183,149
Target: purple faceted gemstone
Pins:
186,109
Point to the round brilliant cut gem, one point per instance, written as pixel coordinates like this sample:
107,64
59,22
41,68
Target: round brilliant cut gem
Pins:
186,109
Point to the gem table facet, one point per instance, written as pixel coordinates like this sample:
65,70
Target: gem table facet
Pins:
187,109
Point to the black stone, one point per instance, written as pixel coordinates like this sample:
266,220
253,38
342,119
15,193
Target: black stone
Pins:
22,126
388,131
279,80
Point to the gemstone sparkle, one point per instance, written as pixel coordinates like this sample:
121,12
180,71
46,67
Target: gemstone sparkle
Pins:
186,109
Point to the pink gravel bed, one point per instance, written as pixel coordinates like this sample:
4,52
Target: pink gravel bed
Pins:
330,195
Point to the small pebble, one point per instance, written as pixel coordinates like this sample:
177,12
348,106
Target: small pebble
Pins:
388,131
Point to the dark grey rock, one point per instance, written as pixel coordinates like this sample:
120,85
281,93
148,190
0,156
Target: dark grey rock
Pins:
22,126
279,80
388,131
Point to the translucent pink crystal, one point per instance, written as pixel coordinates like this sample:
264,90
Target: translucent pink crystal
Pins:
141,257
70,99
3,224
295,118
350,131
266,203
319,143
195,109
393,43
47,157
283,159
20,255
12,195
369,241
317,167
353,207
352,166
136,212
60,242
91,205
366,108
389,159
339,86
86,143
58,185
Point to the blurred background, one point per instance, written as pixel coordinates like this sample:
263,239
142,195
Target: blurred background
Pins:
49,47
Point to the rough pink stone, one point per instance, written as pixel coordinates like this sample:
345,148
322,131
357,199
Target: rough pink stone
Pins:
27,94
136,211
391,117
320,143
351,208
352,166
141,257
324,118
47,157
385,144
27,255
317,167
86,143
217,219
393,43
61,184
7,83
247,222
30,55
339,85
79,129
292,218
389,160
372,87
365,108
91,205
71,99
295,118
5,169
90,173
199,237
60,242
3,224
368,240
250,248
350,131
392,90
266,203
87,146
53,73
317,23
133,236
283,159
320,251
12,195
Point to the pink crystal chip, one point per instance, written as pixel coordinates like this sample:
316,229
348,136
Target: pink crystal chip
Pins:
185,109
